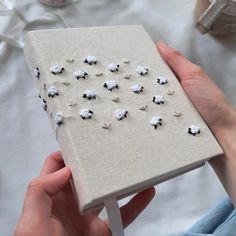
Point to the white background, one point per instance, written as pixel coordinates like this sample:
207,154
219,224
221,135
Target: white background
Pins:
26,137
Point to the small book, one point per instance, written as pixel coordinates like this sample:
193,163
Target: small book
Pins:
121,118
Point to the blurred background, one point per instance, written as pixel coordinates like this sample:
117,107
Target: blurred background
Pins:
26,137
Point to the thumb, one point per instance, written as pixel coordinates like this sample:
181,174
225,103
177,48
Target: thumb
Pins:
181,66
52,183
38,202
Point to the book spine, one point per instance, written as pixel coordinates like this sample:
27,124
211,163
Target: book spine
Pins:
35,59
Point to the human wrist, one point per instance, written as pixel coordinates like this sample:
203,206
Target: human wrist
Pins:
225,165
226,134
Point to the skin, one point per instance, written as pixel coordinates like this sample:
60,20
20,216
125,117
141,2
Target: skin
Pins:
50,208
214,108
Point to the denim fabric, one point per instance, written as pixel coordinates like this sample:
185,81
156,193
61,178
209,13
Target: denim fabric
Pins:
221,221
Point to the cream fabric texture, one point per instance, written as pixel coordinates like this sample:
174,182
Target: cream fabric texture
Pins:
27,138
131,155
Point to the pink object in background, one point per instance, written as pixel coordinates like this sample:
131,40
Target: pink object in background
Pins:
56,3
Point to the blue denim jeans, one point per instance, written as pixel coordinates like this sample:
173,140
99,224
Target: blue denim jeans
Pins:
221,221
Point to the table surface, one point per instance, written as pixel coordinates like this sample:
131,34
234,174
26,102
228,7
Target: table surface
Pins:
26,137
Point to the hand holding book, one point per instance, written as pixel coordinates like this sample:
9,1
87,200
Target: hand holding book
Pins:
50,204
214,109
50,207
129,128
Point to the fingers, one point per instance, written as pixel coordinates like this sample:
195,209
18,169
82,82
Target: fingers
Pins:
135,206
183,68
54,182
38,201
53,163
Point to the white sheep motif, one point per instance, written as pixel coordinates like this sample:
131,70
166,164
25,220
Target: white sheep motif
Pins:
44,105
142,70
90,60
136,88
120,114
193,129
86,113
80,74
53,91
37,73
56,70
159,99
162,80
89,94
58,118
155,121
113,67
111,84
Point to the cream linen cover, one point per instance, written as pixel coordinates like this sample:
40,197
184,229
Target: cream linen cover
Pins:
132,154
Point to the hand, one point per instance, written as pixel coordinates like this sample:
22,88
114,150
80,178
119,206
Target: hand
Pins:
203,92
50,208
214,108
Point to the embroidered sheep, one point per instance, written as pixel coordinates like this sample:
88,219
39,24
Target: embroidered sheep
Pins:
37,73
120,114
90,60
53,91
193,129
162,80
113,67
142,70
155,121
110,84
89,94
56,70
86,113
80,74
136,88
58,118
159,99
44,105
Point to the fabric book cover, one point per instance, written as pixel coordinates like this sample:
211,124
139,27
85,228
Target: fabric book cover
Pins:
121,118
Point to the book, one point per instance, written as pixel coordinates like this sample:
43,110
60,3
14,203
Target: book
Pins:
121,118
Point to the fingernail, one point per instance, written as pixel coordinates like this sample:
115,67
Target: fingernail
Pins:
162,44
66,169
